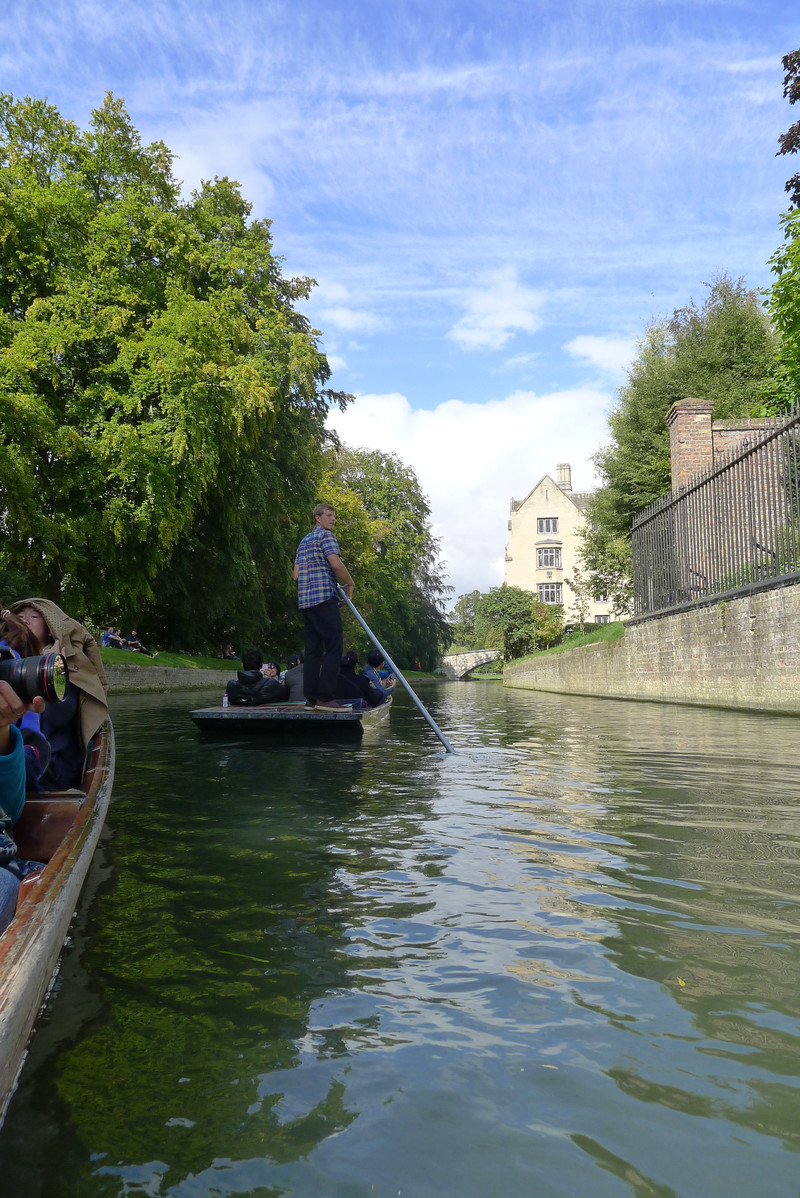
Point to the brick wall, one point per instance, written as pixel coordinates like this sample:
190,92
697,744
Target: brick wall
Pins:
744,653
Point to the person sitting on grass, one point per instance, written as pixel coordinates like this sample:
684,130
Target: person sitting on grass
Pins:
133,643
111,639
250,688
12,798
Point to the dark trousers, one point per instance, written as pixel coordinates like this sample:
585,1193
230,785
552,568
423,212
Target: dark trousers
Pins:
323,628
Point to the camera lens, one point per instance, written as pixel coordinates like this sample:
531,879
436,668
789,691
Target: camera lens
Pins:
43,676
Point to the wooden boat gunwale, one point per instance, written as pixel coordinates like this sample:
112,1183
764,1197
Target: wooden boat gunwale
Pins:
31,946
287,716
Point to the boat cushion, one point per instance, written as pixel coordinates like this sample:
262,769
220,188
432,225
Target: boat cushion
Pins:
44,823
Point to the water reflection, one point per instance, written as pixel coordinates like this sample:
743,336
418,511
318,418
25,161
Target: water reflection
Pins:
563,961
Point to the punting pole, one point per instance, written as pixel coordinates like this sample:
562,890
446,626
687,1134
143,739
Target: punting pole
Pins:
395,670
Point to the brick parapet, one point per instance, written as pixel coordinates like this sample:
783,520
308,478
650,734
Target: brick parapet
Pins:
690,439
743,654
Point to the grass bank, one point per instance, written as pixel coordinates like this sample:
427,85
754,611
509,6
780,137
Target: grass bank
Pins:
186,661
181,661
576,640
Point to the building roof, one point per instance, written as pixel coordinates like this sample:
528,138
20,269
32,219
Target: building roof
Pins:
579,498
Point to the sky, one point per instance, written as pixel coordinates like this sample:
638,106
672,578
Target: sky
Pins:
495,197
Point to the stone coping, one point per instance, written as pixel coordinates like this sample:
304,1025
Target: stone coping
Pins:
122,679
165,678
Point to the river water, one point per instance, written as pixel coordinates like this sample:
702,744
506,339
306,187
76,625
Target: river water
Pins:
564,961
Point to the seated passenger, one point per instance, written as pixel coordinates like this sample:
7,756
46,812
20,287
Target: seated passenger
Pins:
12,798
67,726
250,688
375,670
293,678
351,686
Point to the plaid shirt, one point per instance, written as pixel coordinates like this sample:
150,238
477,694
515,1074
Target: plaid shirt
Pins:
316,581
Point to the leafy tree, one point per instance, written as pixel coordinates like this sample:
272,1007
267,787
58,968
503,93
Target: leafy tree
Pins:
162,401
584,590
463,619
548,624
383,527
516,621
784,297
790,141
725,351
606,559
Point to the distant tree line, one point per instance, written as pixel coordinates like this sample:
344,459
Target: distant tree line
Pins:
163,405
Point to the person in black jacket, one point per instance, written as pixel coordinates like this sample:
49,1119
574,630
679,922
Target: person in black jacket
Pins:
250,688
351,686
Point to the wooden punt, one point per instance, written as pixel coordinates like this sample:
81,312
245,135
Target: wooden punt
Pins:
292,718
60,828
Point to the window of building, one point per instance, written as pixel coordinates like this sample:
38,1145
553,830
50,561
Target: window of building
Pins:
549,592
547,524
601,598
548,557
602,619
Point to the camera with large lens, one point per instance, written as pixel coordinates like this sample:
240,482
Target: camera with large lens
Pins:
31,676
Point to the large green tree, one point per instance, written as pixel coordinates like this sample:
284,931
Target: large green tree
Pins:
384,529
516,621
462,620
162,402
725,351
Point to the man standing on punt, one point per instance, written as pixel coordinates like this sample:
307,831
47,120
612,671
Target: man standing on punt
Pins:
317,568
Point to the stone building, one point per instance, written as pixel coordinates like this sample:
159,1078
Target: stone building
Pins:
542,549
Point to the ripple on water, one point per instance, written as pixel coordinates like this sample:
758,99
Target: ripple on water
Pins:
564,961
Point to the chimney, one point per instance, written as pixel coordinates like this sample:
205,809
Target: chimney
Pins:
691,446
564,476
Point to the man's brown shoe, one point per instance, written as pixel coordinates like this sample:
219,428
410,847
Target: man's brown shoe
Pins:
333,705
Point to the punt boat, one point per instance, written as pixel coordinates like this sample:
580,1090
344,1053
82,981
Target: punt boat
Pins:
293,718
60,828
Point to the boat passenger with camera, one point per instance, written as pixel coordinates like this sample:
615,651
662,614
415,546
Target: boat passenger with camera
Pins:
51,677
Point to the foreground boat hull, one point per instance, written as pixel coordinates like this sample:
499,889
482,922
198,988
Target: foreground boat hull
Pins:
289,718
63,829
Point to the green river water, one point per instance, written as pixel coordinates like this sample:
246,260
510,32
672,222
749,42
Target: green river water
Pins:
565,961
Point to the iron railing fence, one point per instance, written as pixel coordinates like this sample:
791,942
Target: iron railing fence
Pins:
734,528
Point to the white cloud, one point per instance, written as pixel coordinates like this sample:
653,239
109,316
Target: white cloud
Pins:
336,362
518,362
611,355
352,320
496,310
472,458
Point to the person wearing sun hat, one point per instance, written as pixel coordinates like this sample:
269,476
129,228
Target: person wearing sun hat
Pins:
68,726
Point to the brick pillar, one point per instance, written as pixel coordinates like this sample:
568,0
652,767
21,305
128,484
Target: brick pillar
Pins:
690,441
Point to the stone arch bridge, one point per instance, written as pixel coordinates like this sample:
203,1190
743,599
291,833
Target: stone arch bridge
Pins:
458,665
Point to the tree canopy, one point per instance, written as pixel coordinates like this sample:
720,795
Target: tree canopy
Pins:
725,351
790,140
507,618
162,400
384,530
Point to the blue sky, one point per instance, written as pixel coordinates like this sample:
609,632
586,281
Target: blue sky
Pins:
494,197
